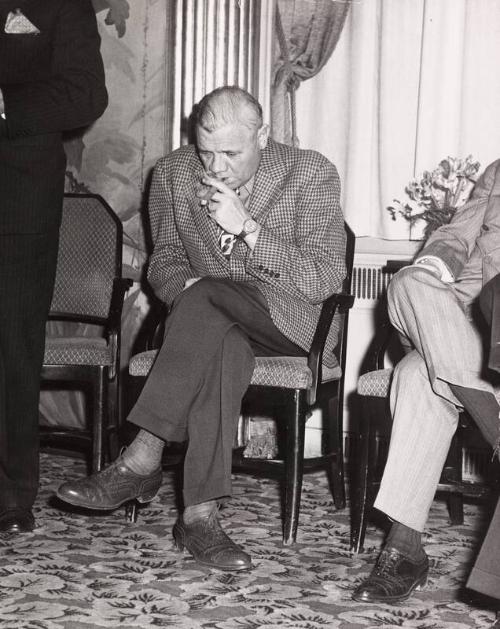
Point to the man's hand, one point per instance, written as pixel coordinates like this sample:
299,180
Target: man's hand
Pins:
224,205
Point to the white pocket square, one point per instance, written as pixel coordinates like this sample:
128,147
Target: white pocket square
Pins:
18,24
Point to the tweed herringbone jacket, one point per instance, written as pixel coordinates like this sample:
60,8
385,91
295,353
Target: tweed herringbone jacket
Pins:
298,260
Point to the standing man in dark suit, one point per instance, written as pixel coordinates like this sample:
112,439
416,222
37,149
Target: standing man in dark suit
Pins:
51,80
249,240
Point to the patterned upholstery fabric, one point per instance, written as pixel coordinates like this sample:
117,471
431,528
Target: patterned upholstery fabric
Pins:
287,372
77,350
375,383
86,262
140,364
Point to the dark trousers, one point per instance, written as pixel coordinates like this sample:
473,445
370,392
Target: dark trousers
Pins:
194,391
27,269
485,575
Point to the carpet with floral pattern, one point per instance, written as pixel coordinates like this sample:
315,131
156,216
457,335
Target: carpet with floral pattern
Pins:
79,570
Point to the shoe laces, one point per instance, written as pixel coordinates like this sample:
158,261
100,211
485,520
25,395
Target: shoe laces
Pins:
385,565
213,525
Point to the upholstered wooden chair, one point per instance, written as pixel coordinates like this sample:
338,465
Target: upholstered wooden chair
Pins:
374,425
300,384
88,289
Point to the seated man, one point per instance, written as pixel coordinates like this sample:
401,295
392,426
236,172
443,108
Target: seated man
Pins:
431,304
249,240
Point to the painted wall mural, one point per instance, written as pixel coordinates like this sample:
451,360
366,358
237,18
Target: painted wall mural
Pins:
115,156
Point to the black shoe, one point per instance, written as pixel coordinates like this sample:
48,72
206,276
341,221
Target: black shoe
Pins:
209,545
16,521
393,578
111,488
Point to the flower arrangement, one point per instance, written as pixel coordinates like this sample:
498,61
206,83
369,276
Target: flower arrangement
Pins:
435,197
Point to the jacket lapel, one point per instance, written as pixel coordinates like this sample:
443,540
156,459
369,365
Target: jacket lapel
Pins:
267,184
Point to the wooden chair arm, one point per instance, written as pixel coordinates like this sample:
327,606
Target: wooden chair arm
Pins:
378,347
120,287
343,303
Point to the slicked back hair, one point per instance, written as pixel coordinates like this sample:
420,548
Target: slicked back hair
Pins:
227,105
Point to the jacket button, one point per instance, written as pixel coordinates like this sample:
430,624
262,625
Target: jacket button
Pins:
486,228
261,267
276,275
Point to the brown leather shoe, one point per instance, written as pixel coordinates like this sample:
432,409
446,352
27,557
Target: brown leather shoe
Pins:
16,521
209,545
393,578
111,488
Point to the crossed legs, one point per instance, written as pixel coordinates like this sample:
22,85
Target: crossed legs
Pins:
442,372
194,393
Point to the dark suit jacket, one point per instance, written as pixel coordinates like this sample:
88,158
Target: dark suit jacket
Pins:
51,82
298,260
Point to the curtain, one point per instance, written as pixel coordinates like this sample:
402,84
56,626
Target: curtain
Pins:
411,82
115,156
307,32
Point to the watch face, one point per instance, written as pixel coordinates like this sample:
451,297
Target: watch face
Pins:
249,225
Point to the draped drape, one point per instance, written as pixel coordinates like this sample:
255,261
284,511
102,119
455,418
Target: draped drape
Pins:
307,32
115,156
411,82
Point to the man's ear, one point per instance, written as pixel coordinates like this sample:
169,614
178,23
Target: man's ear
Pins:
262,136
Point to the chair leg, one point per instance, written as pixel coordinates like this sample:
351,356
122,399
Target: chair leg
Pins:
452,472
99,419
456,508
362,492
332,420
294,466
112,450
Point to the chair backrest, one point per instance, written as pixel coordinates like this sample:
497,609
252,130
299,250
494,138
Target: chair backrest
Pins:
340,348
89,258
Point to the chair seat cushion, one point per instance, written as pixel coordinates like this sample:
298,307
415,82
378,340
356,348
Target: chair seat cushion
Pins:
77,350
289,372
375,383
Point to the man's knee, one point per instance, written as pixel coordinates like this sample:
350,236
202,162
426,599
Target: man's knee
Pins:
205,290
409,281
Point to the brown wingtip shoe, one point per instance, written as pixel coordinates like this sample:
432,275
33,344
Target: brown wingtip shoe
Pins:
209,545
393,578
111,488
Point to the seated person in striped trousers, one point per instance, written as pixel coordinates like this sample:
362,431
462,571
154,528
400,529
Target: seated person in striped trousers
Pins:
245,275
432,305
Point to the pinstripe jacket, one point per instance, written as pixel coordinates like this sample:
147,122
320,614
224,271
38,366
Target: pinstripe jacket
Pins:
298,260
470,244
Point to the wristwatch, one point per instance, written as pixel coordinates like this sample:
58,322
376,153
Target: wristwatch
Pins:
249,226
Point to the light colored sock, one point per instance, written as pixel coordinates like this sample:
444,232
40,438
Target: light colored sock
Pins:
408,541
199,511
143,455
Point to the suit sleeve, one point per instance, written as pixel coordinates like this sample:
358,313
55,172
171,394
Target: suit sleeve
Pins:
454,243
169,267
312,266
75,95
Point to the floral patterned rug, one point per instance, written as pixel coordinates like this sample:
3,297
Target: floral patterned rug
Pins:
83,571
